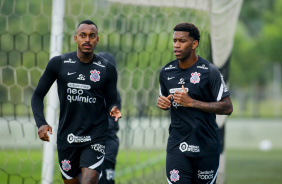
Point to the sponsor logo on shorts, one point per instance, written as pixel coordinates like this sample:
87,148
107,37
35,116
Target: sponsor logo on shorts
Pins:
206,175
100,156
78,139
191,148
110,174
174,176
66,165
98,147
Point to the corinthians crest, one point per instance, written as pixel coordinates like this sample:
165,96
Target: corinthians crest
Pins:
174,175
95,75
66,165
195,77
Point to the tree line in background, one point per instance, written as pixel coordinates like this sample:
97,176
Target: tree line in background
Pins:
257,55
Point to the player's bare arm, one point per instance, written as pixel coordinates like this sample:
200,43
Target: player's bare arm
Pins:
43,132
115,112
224,106
164,102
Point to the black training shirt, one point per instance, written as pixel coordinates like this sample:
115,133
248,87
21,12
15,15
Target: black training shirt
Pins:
87,92
193,132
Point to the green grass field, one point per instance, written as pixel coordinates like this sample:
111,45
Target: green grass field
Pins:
242,167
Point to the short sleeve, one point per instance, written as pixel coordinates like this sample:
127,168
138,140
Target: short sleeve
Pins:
217,84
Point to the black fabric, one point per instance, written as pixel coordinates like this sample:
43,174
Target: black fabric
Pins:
87,92
193,132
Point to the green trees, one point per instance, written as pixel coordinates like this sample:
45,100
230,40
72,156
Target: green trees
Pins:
257,55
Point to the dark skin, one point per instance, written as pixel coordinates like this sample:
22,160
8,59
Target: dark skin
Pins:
86,38
185,51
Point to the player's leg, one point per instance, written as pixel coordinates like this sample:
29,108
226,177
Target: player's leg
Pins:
108,173
89,176
178,169
108,170
91,162
69,164
206,169
72,181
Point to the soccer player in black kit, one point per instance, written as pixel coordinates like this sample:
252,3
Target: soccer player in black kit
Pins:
194,90
87,92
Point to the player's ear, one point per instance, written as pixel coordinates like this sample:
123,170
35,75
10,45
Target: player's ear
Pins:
195,44
75,38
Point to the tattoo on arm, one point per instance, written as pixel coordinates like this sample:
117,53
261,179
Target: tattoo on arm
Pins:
221,107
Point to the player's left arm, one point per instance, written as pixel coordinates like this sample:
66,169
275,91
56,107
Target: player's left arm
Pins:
221,103
111,96
224,106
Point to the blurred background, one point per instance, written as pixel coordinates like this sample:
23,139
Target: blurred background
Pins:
139,36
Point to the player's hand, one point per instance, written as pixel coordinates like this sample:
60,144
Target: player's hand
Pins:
164,102
183,98
42,132
115,112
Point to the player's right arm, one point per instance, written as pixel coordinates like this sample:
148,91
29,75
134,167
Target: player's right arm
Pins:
164,102
47,79
164,98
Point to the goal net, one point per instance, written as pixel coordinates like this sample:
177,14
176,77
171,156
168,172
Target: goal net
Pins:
139,35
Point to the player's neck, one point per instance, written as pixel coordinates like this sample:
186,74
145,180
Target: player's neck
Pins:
85,58
190,61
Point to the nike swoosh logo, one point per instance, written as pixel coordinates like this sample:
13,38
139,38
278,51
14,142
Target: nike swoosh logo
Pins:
71,73
169,78
100,157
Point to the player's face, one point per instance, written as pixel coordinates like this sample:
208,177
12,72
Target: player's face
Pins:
183,45
86,38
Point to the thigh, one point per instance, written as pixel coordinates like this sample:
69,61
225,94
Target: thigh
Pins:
69,162
89,176
178,169
108,173
205,169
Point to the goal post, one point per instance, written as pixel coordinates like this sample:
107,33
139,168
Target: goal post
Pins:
58,7
139,35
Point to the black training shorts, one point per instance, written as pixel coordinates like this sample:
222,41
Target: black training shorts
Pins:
72,159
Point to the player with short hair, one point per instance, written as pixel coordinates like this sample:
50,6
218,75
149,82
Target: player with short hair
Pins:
87,92
194,90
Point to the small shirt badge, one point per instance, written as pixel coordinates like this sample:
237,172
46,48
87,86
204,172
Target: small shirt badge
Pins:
174,175
66,165
195,77
95,75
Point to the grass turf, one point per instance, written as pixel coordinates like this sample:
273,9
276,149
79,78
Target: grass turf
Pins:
242,166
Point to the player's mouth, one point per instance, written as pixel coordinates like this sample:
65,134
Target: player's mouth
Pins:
177,52
87,46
